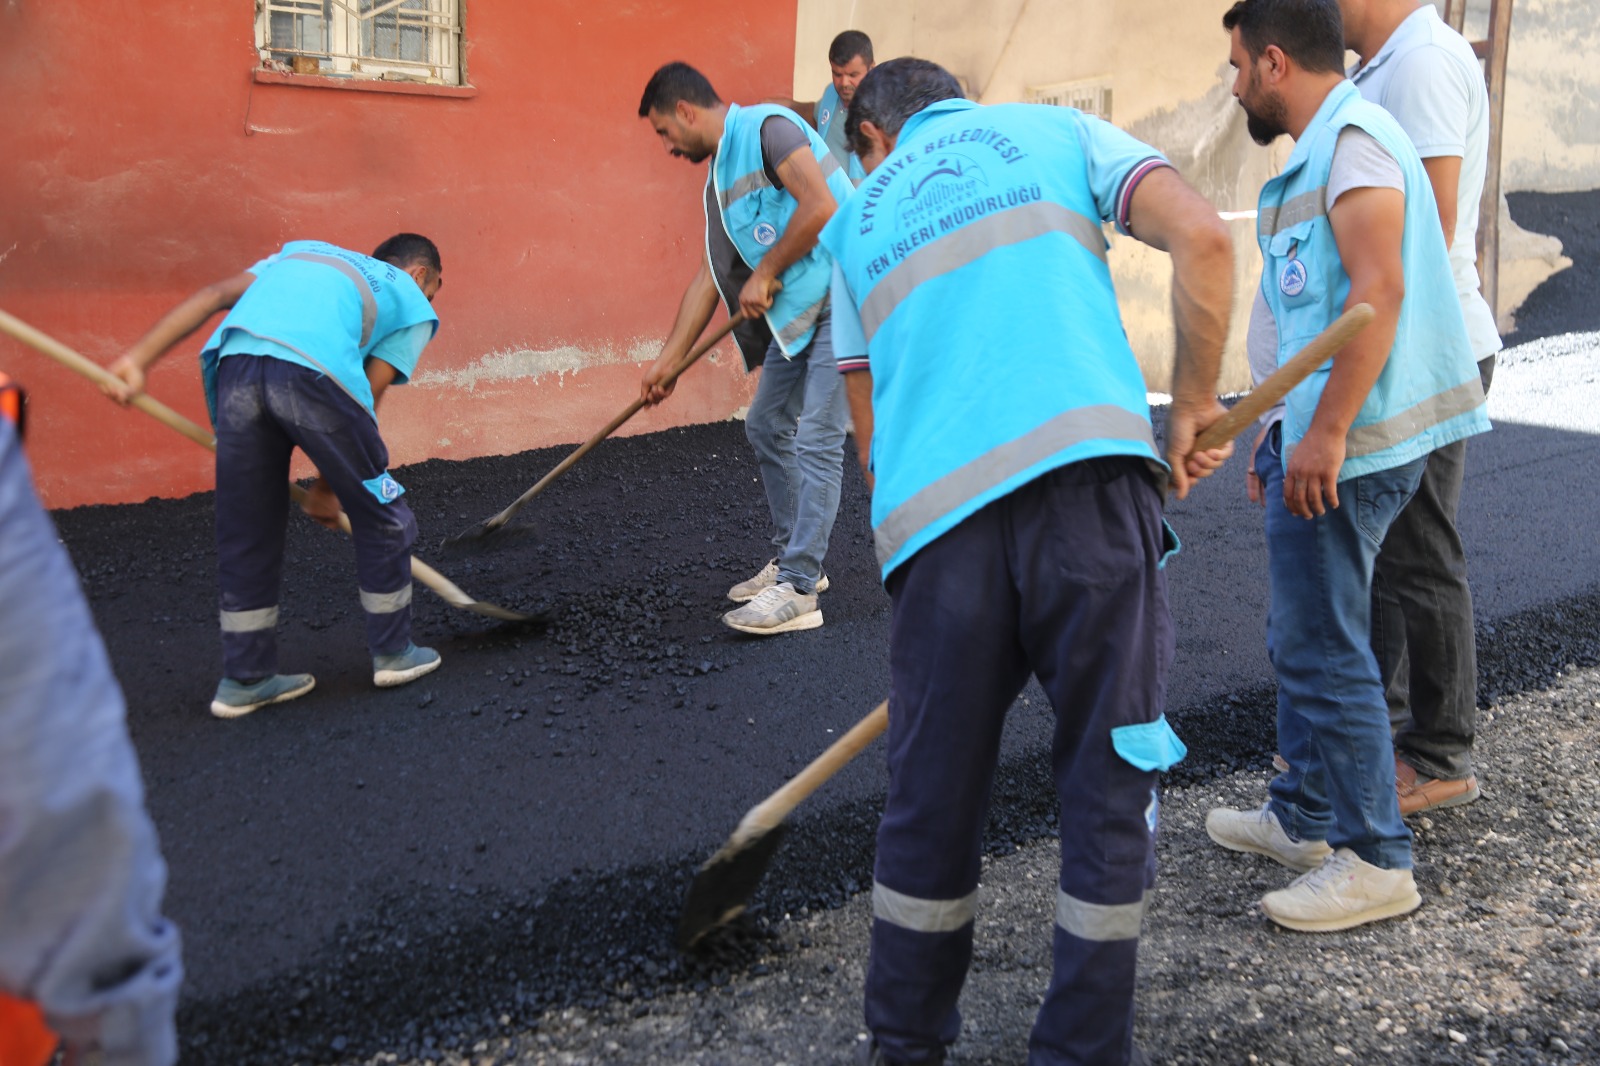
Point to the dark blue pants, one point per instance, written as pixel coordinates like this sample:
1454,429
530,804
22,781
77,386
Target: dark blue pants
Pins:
266,408
1062,579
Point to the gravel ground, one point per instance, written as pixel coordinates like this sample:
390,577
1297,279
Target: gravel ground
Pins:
1501,965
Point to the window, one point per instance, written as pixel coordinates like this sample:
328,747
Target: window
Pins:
1092,96
394,40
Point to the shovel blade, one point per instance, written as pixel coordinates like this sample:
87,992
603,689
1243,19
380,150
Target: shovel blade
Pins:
724,885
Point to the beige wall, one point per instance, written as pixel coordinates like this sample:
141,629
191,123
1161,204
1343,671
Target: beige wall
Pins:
1170,86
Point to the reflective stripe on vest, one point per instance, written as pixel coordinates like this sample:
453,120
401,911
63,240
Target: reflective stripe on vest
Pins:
1103,421
1099,921
1292,212
369,302
1436,409
249,621
970,243
757,180
923,915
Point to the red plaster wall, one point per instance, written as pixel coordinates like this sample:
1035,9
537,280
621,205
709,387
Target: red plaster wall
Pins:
139,160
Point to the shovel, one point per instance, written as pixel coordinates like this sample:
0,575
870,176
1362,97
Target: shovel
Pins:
47,345
1261,399
728,879
490,525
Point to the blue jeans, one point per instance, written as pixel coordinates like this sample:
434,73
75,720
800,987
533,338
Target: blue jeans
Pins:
797,425
1333,721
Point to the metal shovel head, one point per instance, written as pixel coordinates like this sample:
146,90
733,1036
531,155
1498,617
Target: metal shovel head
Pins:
725,884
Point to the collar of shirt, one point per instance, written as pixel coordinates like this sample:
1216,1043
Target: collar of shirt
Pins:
1410,26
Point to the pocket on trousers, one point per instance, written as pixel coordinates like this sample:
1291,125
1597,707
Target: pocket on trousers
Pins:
1149,745
317,403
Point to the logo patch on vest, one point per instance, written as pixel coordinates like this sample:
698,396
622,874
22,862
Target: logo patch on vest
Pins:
384,488
765,233
824,115
1292,281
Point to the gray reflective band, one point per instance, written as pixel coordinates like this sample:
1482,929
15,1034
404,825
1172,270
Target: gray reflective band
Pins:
385,602
829,164
249,621
1099,921
369,302
923,915
1295,210
962,246
1438,408
797,326
754,181
994,468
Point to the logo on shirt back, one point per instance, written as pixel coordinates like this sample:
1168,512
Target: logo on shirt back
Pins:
1292,279
765,233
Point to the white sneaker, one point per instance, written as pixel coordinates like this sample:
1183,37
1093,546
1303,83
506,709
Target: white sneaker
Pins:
778,609
1260,833
1342,893
745,591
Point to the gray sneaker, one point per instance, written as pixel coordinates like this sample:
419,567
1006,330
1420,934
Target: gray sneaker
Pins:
391,670
235,699
779,609
1260,833
745,591
1344,892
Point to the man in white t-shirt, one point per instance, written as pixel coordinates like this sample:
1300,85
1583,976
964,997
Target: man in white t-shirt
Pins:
1425,74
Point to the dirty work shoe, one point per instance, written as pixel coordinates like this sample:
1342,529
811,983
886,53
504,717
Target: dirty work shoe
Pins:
779,609
1418,793
1342,893
391,670
745,591
1261,833
235,699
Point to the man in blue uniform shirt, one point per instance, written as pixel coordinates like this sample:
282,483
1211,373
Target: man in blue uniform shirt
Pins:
772,184
849,60
1017,495
314,336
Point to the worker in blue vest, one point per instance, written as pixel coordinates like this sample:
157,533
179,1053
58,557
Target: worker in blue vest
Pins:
1350,219
1017,510
314,336
85,954
849,59
771,187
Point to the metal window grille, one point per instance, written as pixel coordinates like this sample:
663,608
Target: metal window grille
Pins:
395,39
1091,96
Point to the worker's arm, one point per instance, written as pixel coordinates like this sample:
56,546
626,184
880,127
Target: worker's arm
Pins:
806,109
1167,214
699,303
858,390
174,326
802,178
1367,225
1444,174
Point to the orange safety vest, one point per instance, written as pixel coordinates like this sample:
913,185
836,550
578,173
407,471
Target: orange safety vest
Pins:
24,1039
11,397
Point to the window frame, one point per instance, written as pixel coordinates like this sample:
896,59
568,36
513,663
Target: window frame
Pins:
342,30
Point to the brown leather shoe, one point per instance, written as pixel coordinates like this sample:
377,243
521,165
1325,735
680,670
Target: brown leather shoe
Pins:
1418,793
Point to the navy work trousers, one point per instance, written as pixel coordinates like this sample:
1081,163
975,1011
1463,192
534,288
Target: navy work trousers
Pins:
1061,578
266,408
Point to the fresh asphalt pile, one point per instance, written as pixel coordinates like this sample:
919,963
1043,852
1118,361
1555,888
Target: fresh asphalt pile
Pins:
488,864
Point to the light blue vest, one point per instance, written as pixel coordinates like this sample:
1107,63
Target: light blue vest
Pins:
755,214
975,255
830,124
1429,393
326,304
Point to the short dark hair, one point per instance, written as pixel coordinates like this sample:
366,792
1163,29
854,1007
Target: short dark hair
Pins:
408,250
892,92
1310,32
674,82
848,45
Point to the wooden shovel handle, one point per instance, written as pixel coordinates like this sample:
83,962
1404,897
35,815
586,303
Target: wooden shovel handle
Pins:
612,426
1261,399
776,807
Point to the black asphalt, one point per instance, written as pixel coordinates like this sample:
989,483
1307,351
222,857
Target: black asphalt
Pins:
516,830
